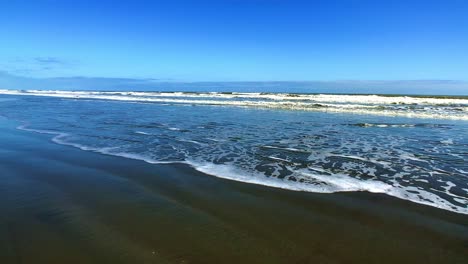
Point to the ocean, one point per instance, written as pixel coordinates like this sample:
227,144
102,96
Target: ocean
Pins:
410,147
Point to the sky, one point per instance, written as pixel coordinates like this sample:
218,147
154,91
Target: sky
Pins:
236,40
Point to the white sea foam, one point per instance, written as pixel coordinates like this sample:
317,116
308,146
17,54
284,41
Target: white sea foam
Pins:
142,133
281,160
420,196
314,179
385,125
335,183
342,183
60,138
287,149
216,139
447,141
441,108
192,141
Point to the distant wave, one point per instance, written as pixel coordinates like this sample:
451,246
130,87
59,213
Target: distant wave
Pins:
384,125
405,106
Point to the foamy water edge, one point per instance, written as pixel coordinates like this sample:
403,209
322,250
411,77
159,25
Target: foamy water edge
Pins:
337,183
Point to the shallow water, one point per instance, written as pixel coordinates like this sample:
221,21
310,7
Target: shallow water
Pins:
408,147
63,205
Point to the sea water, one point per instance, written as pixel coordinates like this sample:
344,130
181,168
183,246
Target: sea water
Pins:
413,148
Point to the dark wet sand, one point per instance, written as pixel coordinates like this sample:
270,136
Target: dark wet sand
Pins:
59,204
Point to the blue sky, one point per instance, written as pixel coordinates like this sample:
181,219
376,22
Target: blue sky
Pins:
257,40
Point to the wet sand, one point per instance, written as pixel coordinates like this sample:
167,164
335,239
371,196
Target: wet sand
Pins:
59,204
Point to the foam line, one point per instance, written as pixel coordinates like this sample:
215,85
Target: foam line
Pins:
405,106
325,183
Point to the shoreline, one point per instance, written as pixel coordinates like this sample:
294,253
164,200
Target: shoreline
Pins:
61,204
55,137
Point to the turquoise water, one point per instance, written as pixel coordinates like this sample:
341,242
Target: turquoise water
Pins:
412,148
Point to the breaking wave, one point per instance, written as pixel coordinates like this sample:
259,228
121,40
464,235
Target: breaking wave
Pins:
455,108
